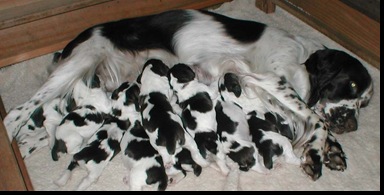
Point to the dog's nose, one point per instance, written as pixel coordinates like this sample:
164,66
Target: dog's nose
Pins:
342,120
349,124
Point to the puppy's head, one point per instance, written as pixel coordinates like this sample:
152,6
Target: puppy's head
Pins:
243,155
340,86
154,66
126,100
179,76
229,86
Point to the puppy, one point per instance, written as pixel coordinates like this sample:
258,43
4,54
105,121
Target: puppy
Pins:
197,102
233,129
144,164
80,124
95,156
184,163
267,129
163,126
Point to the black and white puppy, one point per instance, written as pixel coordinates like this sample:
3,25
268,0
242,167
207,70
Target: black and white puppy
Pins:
97,153
233,130
73,132
144,164
105,143
269,131
197,102
184,163
328,80
162,124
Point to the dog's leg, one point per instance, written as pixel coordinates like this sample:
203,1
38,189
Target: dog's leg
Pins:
94,172
334,157
191,145
66,174
316,131
313,154
30,144
220,159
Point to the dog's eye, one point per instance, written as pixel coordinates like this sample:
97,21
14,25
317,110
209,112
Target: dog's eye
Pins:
353,85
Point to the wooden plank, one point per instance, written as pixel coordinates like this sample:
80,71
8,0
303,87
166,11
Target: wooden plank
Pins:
18,12
266,6
50,34
350,28
13,173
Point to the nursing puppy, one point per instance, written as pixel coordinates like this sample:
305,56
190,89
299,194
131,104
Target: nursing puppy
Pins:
80,124
197,102
105,143
332,82
144,164
184,163
163,126
233,130
99,151
269,131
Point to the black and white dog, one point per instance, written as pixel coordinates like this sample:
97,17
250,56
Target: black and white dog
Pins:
145,167
233,130
100,149
163,125
197,102
92,106
271,133
332,82
106,143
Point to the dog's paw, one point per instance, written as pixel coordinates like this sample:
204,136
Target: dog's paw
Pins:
334,156
311,163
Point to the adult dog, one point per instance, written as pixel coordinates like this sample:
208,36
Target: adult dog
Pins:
334,83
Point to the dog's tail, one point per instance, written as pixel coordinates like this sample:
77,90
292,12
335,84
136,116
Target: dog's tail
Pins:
79,60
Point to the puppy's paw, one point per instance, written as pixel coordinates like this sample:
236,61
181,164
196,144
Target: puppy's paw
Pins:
334,156
311,163
63,179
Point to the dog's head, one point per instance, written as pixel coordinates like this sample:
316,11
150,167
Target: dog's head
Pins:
179,76
152,67
243,155
340,86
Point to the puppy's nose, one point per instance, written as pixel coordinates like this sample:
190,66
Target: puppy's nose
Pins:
350,124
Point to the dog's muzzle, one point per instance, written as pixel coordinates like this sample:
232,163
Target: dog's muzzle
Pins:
342,119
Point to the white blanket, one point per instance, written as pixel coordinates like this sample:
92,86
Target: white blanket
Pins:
19,82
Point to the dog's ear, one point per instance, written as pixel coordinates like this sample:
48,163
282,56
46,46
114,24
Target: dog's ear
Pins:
322,69
116,92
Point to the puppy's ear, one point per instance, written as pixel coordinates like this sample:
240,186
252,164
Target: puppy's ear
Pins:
138,79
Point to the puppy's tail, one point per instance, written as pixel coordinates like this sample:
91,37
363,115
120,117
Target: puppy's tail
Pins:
79,60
